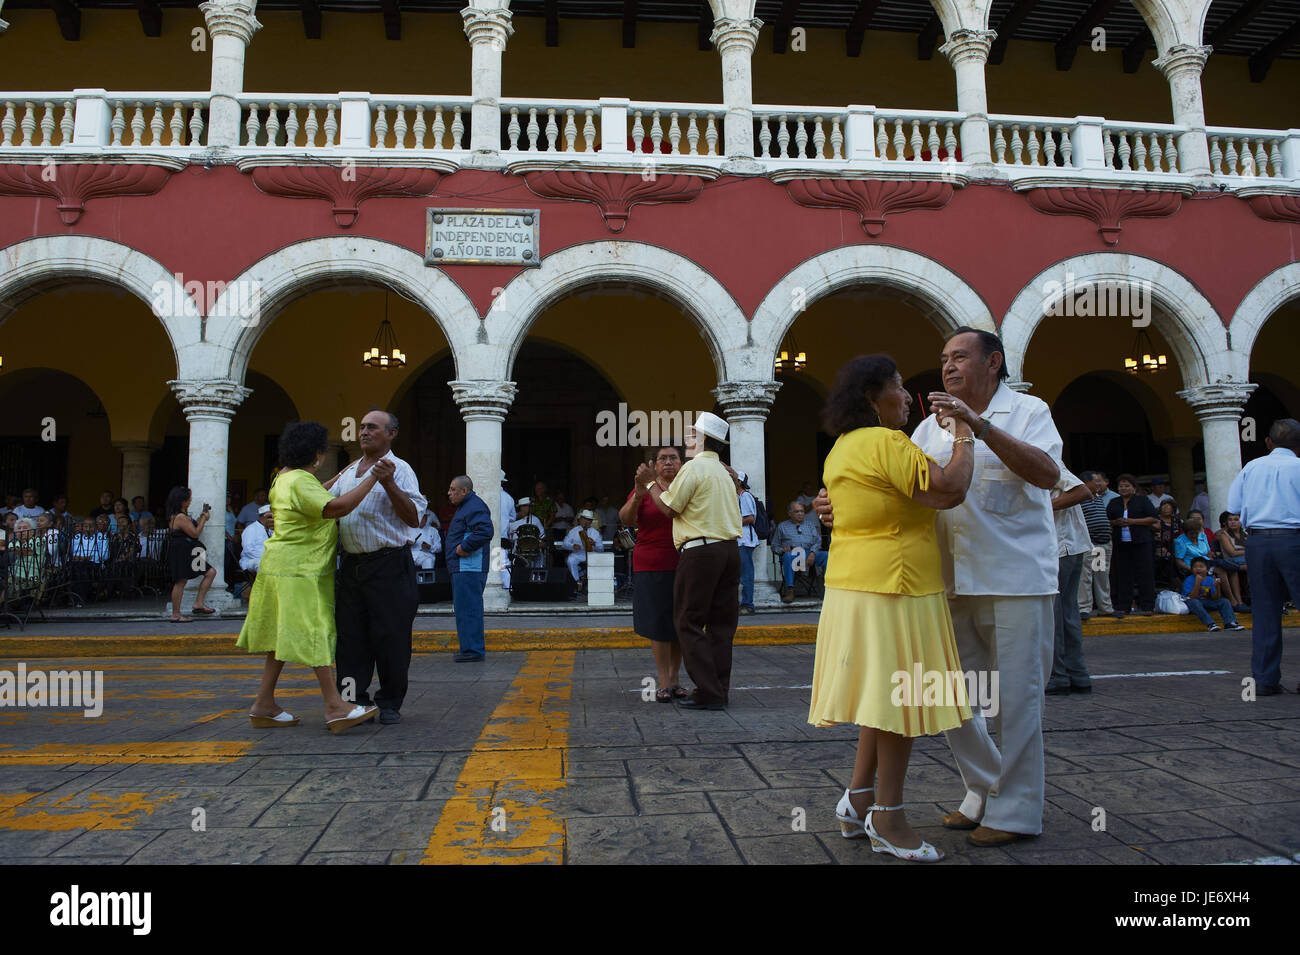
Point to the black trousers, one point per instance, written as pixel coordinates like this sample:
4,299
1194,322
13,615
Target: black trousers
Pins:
1132,563
375,599
706,609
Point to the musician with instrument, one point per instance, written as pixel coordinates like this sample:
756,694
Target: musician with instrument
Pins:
580,541
525,535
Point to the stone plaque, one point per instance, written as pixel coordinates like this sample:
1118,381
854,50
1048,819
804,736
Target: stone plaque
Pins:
482,237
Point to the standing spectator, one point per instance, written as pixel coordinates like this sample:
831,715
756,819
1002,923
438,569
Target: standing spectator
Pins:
105,505
120,510
563,519
60,507
248,513
29,509
1159,493
1166,534
608,514
1201,502
654,567
1267,496
543,506
1202,593
706,591
186,556
1107,495
797,541
748,542
253,540
1094,578
46,531
468,535
426,543
1069,671
11,501
1132,520
139,509
807,494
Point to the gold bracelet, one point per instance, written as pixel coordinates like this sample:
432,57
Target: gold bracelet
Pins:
965,440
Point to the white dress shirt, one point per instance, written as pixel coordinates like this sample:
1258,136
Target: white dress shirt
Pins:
252,543
1071,528
507,509
512,529
573,539
748,536
1001,540
428,534
374,524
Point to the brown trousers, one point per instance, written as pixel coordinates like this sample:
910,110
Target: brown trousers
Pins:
706,606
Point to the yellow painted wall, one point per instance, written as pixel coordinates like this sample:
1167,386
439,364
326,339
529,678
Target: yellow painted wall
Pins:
433,57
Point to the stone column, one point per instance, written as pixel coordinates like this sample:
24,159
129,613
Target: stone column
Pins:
135,469
1182,66
1180,475
484,405
4,24
209,405
488,31
745,405
231,25
1023,387
1219,406
968,51
735,39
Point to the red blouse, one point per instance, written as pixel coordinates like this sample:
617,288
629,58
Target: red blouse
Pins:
654,538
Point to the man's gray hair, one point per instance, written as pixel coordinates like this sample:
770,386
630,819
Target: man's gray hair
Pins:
392,418
1285,433
463,482
792,505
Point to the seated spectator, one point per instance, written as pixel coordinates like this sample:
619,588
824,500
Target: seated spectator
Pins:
578,541
29,509
1160,493
10,520
60,508
1232,557
248,514
151,539
1163,536
120,509
11,501
563,520
105,505
26,556
426,542
797,541
90,546
47,532
1202,593
139,508
254,538
589,504
1193,542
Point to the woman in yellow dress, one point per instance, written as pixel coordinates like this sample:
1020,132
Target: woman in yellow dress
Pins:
886,656
291,610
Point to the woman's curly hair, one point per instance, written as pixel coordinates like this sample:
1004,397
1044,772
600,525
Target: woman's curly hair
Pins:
301,442
858,383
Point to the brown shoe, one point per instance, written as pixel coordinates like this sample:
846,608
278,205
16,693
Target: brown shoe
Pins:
985,836
957,820
787,595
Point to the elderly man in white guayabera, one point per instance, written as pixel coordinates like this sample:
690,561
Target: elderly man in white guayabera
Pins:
999,563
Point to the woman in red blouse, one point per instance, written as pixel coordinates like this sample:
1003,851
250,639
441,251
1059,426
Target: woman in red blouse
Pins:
654,565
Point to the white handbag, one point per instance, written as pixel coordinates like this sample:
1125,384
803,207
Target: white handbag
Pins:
1171,603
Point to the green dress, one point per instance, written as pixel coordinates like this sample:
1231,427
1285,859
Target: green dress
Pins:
291,609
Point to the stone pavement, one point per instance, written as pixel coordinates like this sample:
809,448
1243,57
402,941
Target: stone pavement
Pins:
552,756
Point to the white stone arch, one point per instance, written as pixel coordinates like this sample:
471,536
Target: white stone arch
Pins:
941,294
700,296
1184,316
29,266
303,267
1268,295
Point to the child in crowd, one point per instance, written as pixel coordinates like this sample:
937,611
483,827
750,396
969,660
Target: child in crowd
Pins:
1202,593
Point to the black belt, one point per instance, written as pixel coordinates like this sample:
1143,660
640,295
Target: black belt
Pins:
1273,530
372,554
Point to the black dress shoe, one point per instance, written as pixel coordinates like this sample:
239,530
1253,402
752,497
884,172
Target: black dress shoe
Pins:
389,716
1272,689
465,656
694,704
1080,689
1061,690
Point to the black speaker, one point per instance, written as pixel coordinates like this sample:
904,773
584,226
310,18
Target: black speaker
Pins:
558,586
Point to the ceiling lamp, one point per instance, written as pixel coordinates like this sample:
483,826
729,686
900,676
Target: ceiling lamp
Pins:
383,352
790,358
1142,358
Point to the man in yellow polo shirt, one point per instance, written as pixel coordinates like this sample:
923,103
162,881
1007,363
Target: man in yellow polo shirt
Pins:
706,525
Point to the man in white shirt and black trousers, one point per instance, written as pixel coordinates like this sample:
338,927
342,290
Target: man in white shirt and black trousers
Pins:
376,593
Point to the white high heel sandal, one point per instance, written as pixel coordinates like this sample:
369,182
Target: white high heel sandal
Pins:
851,826
924,853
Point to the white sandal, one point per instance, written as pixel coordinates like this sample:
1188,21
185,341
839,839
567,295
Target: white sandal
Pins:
924,853
851,826
283,718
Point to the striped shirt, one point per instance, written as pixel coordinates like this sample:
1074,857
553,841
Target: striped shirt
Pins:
1094,512
374,524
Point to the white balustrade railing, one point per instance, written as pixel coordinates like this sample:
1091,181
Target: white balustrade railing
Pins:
1255,153
1141,147
1043,142
917,136
800,132
289,121
132,120
429,123
674,129
550,126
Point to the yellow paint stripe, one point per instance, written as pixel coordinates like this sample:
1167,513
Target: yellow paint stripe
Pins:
512,776
55,754
30,812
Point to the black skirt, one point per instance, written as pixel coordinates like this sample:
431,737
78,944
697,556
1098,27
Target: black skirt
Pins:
181,553
652,604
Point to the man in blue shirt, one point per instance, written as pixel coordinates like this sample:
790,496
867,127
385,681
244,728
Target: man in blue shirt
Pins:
1267,496
468,559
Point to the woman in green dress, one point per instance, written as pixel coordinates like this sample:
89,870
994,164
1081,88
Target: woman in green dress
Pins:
291,610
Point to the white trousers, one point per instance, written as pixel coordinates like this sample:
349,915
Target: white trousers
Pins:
1013,637
576,560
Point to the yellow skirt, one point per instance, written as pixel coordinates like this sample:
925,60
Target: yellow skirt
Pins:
888,661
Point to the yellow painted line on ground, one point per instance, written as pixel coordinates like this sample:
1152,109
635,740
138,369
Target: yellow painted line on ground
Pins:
31,812
503,809
55,754
218,715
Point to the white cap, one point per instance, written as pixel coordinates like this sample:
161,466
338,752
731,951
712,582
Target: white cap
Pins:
709,423
264,509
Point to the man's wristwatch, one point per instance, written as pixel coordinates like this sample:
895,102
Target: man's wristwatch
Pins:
985,424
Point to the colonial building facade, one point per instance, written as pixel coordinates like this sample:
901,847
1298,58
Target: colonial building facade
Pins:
183,271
